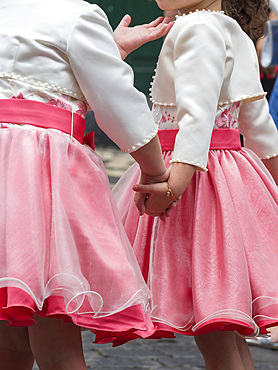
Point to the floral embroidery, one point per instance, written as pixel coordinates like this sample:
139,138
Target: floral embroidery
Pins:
59,103
19,96
229,117
162,116
224,120
82,111
62,103
19,90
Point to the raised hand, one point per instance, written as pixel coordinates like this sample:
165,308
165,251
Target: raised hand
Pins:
129,39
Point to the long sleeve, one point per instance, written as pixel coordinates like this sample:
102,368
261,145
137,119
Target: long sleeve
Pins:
258,129
106,81
200,57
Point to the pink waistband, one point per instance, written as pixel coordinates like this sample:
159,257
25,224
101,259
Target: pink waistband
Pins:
222,138
31,112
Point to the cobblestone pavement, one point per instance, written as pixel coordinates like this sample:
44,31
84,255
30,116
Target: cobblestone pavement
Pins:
165,354
174,354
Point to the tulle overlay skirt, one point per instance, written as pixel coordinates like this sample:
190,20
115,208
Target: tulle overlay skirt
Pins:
64,252
213,264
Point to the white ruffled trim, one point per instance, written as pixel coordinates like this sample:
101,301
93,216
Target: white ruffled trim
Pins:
74,298
200,167
140,145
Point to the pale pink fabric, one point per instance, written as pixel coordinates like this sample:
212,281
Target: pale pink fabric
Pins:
213,264
64,252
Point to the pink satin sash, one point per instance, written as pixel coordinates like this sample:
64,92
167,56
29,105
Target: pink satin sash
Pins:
224,138
31,112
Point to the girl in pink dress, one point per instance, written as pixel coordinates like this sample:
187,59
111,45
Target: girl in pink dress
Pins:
65,260
212,266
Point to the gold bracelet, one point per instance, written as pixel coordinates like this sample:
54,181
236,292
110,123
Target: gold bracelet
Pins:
169,192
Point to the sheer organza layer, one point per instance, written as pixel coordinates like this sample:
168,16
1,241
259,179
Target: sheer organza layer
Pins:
61,236
213,264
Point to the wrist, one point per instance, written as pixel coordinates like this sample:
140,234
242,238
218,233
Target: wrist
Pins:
160,177
170,193
123,53
180,176
176,189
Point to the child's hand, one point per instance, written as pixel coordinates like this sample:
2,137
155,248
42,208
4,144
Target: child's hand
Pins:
156,203
129,39
147,180
152,198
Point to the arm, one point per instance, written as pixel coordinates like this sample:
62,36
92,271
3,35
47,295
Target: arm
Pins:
149,158
129,39
197,104
260,133
106,81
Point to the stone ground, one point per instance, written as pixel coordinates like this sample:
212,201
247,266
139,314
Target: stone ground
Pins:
174,354
166,354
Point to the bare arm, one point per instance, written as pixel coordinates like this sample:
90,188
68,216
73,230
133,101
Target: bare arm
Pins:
153,169
129,39
150,159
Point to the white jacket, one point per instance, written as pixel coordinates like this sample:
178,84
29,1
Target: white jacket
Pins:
207,63
66,47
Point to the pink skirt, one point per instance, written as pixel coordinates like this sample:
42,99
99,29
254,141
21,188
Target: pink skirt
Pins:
213,264
64,252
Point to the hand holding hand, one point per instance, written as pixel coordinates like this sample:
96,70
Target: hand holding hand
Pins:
152,198
142,194
129,39
157,201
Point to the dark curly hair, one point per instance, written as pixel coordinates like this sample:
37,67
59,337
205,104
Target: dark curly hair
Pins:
250,14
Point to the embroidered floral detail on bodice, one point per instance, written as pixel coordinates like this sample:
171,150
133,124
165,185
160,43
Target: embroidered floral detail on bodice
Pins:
226,117
229,116
13,89
165,117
